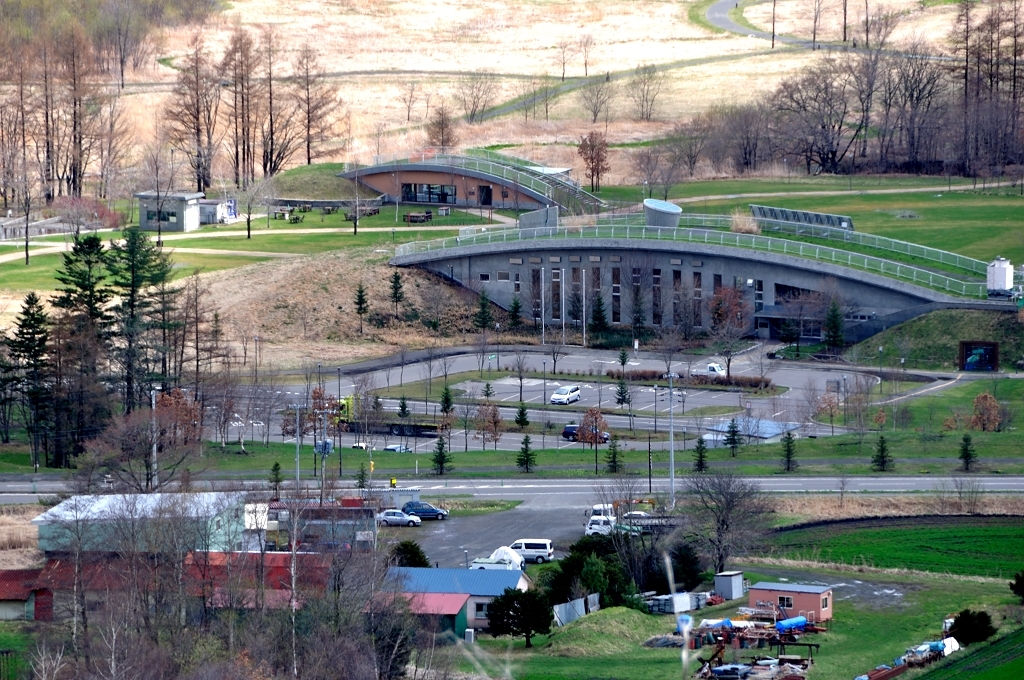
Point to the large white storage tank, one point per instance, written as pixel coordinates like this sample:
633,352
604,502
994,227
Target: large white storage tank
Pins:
1000,275
661,213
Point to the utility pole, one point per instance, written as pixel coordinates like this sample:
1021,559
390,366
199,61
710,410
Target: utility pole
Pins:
542,338
297,448
583,282
671,446
650,465
155,477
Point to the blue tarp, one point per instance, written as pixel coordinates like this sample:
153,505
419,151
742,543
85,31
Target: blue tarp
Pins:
789,625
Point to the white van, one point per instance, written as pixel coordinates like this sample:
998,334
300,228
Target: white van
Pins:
599,525
538,550
603,510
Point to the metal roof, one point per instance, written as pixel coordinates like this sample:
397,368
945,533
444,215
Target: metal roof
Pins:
152,505
437,603
753,427
791,587
17,584
476,582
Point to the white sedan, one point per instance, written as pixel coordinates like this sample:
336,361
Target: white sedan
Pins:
397,518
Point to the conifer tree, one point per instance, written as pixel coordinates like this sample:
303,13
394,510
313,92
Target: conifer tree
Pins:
515,313
483,319
968,456
442,460
396,294
882,460
522,417
83,274
700,456
403,407
833,326
598,317
526,459
28,348
613,455
789,463
362,304
733,439
447,400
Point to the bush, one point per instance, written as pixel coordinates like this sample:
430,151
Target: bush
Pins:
751,382
970,627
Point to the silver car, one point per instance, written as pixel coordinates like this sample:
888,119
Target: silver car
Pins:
566,394
397,518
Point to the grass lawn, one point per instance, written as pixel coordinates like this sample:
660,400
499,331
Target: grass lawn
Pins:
281,241
608,644
16,636
978,224
976,546
932,341
317,182
999,659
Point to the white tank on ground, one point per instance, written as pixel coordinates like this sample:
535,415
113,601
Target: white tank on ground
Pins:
661,213
1000,275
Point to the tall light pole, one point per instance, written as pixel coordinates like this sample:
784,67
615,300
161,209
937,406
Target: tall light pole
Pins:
671,445
880,350
544,398
155,476
298,426
655,407
846,416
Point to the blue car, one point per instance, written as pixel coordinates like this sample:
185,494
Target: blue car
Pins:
424,510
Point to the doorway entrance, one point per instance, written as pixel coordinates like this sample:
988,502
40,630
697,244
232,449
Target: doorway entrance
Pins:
484,192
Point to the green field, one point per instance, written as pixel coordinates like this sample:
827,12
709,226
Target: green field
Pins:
1001,659
864,634
975,546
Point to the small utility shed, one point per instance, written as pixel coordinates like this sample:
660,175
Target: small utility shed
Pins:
729,584
173,210
481,585
793,599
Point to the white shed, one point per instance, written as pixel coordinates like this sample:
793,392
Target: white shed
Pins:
1000,274
175,211
729,584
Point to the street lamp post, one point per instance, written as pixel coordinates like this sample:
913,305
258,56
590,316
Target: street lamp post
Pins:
155,476
846,413
497,347
544,398
880,350
671,445
655,407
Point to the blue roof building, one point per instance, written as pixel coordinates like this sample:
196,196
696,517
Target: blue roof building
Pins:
482,585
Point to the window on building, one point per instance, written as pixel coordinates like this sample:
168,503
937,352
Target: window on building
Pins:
535,292
758,295
165,215
428,193
824,602
576,294
677,296
785,602
616,295
716,284
656,297
503,276
556,294
516,285
481,610
484,278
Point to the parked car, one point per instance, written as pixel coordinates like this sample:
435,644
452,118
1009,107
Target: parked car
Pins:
537,549
600,525
424,510
712,370
397,518
398,448
566,394
571,433
362,445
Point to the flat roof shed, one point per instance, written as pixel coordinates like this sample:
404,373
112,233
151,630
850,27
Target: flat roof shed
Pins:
793,599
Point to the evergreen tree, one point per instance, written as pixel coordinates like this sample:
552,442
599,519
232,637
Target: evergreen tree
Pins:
483,319
733,438
362,304
138,268
789,463
28,349
362,477
409,554
623,360
593,578
396,295
447,400
526,459
516,612
403,407
442,460
522,417
700,456
1017,585
515,313
613,455
968,456
598,317
789,333
488,391
83,274
276,478
833,326
882,460
622,397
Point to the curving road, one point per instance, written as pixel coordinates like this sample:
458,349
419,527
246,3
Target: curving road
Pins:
718,16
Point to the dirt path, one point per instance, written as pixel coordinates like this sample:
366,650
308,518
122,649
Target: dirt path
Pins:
834,192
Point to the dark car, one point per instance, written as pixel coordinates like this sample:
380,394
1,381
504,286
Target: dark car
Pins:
424,510
570,432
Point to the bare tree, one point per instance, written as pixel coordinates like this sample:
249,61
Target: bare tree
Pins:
520,369
725,515
556,350
646,162
688,141
817,6
593,149
317,100
193,113
489,424
256,194
409,95
466,408
585,45
643,89
565,51
764,364
597,98
810,402
475,94
546,94
731,315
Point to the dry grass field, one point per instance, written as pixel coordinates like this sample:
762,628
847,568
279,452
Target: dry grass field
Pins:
18,538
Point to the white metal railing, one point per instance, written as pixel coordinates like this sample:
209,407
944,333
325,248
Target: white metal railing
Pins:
819,253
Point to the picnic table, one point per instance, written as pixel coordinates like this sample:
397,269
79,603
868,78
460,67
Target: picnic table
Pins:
362,212
418,217
295,219
329,209
282,214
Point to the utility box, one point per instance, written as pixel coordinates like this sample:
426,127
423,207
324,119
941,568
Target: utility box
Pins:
470,636
729,584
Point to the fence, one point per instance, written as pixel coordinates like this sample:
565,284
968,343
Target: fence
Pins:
866,263
576,609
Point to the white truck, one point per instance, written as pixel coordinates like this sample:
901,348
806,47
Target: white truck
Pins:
712,370
504,558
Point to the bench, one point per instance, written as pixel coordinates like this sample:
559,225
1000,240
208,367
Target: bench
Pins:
282,214
362,212
295,219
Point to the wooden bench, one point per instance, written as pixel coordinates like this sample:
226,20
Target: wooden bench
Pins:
362,212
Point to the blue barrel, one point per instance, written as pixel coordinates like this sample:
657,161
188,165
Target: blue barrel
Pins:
790,625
